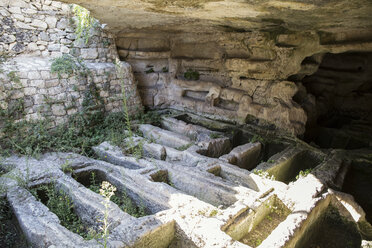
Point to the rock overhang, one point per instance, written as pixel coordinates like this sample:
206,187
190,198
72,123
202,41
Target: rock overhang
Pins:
232,15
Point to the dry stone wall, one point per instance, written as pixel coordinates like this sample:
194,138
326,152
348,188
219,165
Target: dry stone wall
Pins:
46,28
33,33
39,94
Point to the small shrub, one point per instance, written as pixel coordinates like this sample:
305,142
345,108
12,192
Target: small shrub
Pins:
151,117
257,138
61,205
303,173
191,75
79,134
213,213
184,147
67,64
123,201
13,77
66,167
263,174
9,236
84,23
107,191
151,70
215,135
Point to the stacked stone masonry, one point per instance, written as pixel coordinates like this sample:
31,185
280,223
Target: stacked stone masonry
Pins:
40,94
47,28
32,34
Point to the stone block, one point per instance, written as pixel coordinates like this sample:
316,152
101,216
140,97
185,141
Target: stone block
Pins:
18,17
7,38
89,53
45,75
16,94
39,24
34,75
32,46
51,21
15,10
54,47
37,83
65,49
58,110
62,24
29,91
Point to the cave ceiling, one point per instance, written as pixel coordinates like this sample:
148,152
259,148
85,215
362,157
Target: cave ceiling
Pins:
232,15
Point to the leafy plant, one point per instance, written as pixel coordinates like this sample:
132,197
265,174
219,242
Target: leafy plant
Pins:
84,22
191,75
151,117
263,174
213,213
66,167
79,134
67,64
303,173
61,205
135,149
9,237
215,135
151,70
123,201
3,58
184,147
13,77
107,191
257,138
94,186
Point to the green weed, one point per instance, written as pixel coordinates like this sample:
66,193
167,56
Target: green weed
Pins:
213,213
68,64
215,135
13,77
61,205
263,174
191,75
151,70
84,23
79,134
303,173
257,138
184,147
122,199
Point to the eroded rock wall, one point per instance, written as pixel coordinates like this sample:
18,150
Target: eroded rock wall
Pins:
237,76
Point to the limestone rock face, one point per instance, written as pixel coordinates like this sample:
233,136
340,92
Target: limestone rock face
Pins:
231,60
232,15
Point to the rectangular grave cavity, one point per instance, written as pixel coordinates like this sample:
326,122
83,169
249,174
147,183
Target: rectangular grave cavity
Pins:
127,200
287,168
10,231
161,176
244,150
329,229
59,203
251,227
358,183
203,187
